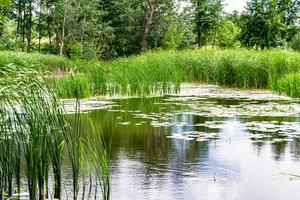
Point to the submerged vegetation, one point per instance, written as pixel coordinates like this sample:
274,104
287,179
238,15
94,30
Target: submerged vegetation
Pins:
34,131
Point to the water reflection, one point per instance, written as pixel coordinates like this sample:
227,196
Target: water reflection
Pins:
240,164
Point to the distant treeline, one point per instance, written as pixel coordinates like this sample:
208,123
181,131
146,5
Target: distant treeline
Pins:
106,29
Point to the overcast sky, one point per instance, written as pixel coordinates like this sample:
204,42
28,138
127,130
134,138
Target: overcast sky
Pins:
232,5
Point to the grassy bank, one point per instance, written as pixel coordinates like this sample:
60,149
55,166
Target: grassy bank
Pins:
163,71
36,61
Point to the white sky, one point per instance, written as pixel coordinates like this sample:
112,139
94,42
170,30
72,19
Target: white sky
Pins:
231,5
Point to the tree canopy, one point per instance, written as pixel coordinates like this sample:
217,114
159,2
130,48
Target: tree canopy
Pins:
106,29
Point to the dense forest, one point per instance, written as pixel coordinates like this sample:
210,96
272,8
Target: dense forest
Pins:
107,29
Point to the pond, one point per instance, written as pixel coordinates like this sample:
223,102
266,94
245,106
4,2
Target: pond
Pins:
204,143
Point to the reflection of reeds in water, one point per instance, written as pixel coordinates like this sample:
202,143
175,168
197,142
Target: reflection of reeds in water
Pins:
33,129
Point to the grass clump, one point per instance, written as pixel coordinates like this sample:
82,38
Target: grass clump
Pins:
289,85
34,131
73,86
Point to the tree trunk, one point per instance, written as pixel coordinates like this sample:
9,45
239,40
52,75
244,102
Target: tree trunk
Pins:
39,29
49,32
149,19
62,38
19,17
214,39
23,22
199,38
29,27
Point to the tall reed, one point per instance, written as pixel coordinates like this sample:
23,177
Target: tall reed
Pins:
99,144
32,125
289,85
163,71
33,128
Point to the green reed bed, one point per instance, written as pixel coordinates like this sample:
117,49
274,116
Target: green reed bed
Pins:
163,71
289,85
73,86
34,131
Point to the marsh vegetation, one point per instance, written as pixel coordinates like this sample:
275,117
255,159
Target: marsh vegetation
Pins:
35,133
149,99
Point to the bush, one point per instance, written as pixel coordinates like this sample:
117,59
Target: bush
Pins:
76,51
227,35
295,43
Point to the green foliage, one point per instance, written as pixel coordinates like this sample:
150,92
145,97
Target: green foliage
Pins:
76,51
163,71
75,86
207,17
173,38
33,133
295,43
227,35
5,3
269,23
34,130
289,85
93,29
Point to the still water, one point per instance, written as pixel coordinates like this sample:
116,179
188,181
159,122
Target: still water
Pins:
208,146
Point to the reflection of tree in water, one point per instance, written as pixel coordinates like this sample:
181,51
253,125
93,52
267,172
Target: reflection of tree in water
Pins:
258,146
149,145
278,149
295,148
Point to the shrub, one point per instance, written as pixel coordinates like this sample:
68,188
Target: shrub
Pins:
76,51
295,43
227,35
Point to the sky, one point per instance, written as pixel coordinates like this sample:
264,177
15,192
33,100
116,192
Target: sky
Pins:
232,5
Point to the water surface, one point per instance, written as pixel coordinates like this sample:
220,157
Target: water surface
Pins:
202,146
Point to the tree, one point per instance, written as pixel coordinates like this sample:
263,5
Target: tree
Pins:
295,43
4,6
138,25
227,35
29,25
269,23
207,15
159,14
172,38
